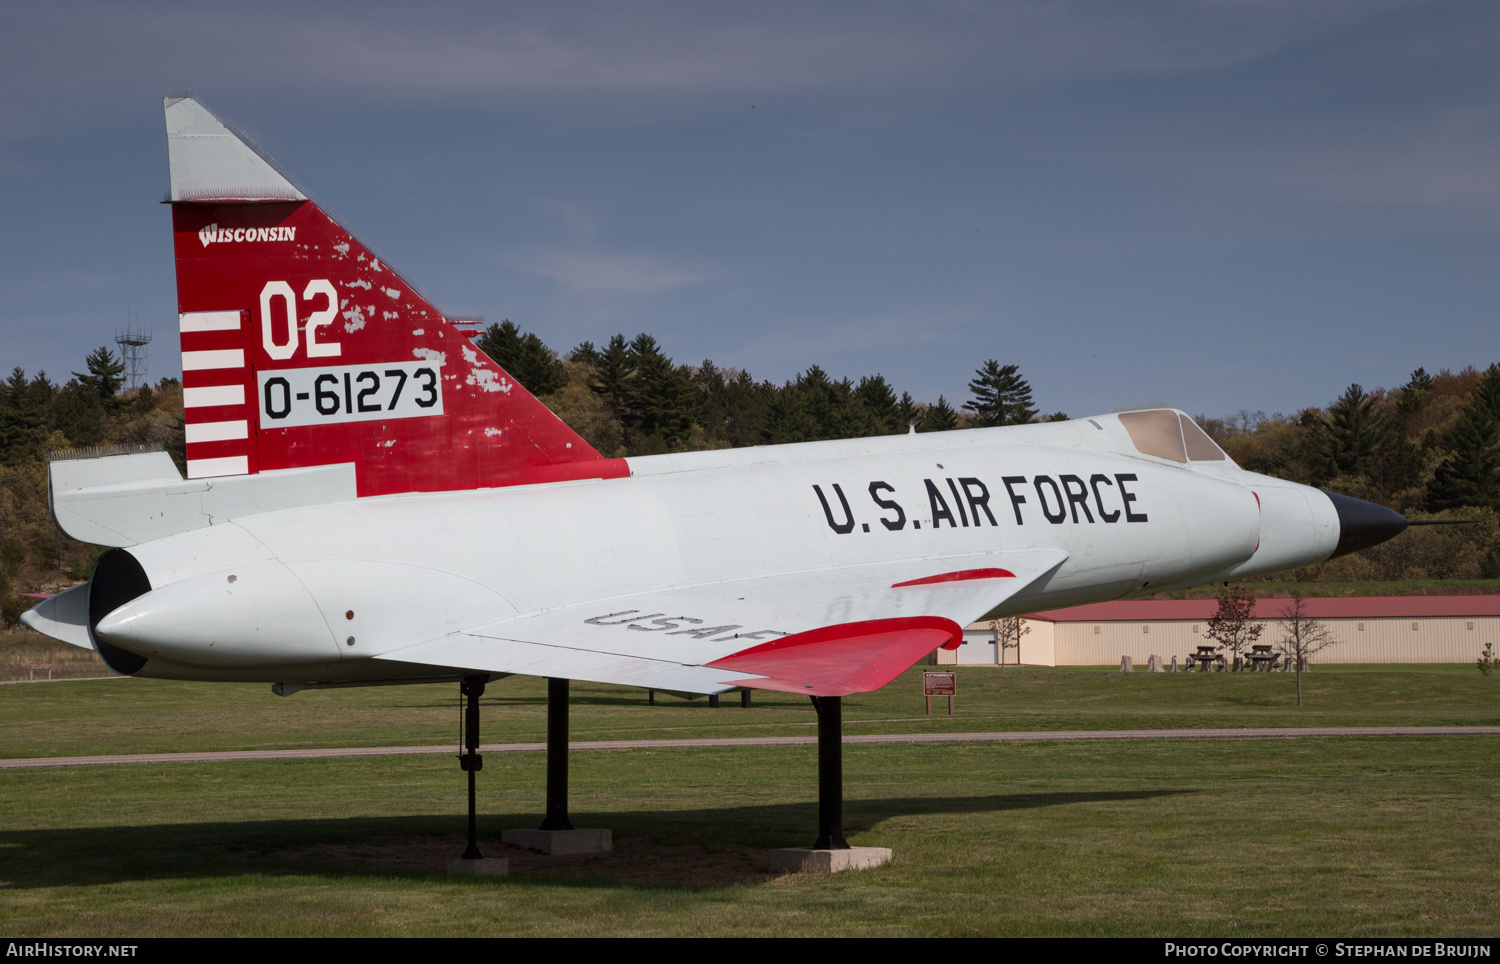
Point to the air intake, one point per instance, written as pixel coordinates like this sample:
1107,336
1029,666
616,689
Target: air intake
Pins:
118,578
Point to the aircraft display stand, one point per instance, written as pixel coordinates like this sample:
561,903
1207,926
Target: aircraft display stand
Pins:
473,863
830,853
557,835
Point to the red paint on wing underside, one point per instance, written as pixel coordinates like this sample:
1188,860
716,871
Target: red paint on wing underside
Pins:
961,576
492,431
843,659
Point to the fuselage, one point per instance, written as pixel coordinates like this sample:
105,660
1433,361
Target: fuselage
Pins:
315,593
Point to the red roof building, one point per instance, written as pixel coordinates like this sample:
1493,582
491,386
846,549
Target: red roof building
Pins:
1367,629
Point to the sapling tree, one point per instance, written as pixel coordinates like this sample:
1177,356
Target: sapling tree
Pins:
1008,633
1301,637
1232,625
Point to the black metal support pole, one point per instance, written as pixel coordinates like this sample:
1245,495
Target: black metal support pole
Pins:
830,774
557,757
713,700
744,699
471,761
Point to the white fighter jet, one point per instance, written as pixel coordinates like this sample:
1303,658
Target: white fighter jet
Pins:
371,500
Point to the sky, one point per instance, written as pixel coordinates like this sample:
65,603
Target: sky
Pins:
1217,205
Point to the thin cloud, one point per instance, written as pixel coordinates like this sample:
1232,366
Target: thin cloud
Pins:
61,58
1443,162
1449,161
606,274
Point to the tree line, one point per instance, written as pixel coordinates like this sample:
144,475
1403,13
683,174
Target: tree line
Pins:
1430,445
629,398
1428,449
39,416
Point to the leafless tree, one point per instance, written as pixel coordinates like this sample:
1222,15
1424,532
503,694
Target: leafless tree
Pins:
1302,637
1008,633
1232,626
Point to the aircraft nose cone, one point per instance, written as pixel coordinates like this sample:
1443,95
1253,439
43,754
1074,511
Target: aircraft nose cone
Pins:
119,627
1363,524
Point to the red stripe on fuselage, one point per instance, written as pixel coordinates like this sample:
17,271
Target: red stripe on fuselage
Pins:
962,575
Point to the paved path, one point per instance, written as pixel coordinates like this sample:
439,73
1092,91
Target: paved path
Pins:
1026,736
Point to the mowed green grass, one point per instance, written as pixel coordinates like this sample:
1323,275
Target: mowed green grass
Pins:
1346,836
143,716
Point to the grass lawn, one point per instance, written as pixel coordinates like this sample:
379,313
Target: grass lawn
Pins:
1346,836
1349,837
21,648
141,716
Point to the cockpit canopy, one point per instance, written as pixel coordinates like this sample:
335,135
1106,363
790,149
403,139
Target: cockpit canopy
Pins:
1170,435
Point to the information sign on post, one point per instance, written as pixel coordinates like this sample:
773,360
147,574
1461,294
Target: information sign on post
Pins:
939,684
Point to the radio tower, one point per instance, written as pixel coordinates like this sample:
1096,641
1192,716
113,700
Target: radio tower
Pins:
133,342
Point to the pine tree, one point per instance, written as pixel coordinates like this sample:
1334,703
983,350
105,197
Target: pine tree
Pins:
856,420
939,418
524,356
20,418
908,412
1354,430
659,394
1304,458
1470,475
1398,463
610,378
836,407
106,374
787,418
1487,392
40,392
1001,395
731,405
585,353
824,403
1414,395
15,386
879,400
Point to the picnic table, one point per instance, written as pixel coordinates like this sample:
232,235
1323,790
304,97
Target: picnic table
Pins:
1262,659
1205,656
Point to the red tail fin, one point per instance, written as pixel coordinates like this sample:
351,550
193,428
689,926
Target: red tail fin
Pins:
300,348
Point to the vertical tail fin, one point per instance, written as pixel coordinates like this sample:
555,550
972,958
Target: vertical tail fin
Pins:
300,348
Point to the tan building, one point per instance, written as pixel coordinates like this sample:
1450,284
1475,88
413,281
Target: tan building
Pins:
1366,629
